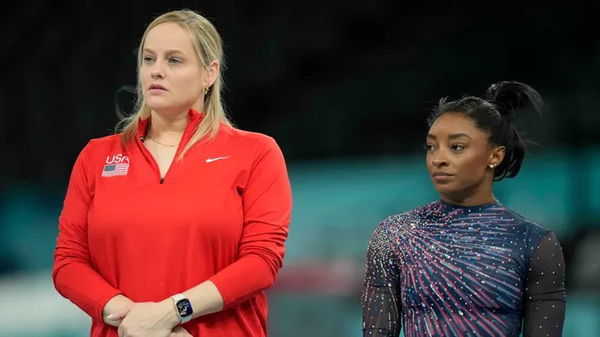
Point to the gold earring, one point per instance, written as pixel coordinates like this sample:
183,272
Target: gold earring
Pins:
491,165
206,91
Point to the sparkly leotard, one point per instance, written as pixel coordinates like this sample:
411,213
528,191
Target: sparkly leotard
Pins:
447,270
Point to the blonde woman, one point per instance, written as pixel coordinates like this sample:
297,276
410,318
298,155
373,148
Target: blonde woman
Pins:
175,225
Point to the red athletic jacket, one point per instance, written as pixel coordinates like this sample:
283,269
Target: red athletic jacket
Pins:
221,214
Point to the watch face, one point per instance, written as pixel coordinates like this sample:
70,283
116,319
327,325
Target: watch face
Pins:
184,307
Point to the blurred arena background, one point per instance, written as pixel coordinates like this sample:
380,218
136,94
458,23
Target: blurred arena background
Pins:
344,87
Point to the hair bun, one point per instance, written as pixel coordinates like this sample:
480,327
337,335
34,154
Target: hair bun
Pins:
510,96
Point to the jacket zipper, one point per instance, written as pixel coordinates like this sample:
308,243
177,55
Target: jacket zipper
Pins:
149,156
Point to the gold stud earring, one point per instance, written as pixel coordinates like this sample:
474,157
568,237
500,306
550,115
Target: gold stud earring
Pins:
492,165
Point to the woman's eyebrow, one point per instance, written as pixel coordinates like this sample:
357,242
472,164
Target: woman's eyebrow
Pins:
168,51
458,135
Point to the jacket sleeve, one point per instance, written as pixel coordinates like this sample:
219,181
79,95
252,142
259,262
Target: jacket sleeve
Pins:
73,274
267,203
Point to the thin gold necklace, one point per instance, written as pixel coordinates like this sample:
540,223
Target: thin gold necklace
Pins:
159,143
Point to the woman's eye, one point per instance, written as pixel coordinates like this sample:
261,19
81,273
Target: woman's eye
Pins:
174,60
428,147
457,147
148,59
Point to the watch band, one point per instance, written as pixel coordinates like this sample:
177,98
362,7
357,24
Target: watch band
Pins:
183,307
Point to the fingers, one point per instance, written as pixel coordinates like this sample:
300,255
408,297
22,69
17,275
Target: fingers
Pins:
179,332
113,320
112,323
116,318
118,307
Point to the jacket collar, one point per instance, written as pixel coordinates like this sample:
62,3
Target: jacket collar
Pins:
194,119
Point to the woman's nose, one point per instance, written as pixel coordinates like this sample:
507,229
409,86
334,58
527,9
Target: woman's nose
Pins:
439,159
157,72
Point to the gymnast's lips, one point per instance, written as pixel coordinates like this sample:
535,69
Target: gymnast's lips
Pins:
442,177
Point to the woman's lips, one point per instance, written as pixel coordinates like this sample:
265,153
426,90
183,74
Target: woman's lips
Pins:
442,177
156,89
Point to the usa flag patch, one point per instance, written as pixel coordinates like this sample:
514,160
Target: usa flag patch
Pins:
113,170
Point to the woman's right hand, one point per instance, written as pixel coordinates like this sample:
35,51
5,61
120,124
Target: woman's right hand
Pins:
116,309
179,332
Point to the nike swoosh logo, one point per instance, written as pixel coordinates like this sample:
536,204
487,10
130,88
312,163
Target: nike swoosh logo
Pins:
210,160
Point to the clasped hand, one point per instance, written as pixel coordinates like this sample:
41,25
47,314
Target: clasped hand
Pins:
145,319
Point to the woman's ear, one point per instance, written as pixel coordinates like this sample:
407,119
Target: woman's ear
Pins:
213,70
497,156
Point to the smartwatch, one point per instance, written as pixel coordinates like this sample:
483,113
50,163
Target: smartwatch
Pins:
183,308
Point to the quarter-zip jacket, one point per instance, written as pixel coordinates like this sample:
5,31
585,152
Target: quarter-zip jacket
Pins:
221,213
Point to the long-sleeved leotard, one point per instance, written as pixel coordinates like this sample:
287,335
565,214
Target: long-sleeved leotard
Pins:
447,270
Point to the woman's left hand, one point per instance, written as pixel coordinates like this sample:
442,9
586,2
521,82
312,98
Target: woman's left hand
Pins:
149,319
180,332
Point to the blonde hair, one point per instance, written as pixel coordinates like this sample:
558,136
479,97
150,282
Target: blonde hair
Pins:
209,47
